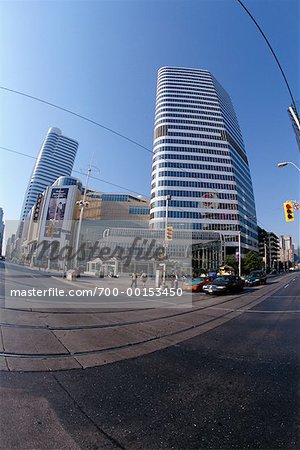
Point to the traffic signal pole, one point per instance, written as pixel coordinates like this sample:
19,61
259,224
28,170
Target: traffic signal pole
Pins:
168,198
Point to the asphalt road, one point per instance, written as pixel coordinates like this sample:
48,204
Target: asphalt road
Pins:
234,387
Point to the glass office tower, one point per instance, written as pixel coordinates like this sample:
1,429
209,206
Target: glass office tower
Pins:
199,159
56,158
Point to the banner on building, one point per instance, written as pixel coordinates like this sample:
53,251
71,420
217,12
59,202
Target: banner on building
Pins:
56,212
37,208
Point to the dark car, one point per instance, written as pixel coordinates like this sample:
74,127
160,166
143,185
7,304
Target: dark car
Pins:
224,284
255,278
2,258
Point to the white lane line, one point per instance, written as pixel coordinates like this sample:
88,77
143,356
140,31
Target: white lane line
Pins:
286,286
258,311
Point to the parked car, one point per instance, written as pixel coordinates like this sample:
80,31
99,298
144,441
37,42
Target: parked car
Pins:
224,284
195,284
2,258
255,278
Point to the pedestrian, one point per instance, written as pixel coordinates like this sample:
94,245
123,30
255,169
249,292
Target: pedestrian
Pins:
144,278
172,280
175,284
133,280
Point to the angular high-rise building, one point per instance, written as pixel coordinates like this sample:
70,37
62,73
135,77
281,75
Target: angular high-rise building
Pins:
287,251
56,158
200,160
268,245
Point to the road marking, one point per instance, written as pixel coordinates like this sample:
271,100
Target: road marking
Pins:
286,286
258,311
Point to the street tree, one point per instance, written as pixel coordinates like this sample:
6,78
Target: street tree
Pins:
252,261
231,261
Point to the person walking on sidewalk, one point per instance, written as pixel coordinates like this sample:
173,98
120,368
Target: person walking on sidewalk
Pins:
134,280
144,277
175,283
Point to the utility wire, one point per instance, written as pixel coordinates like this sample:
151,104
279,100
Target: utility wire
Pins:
181,169
32,97
18,153
126,137
77,171
272,51
14,91
113,184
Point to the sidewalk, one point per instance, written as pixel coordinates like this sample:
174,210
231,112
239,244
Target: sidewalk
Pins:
123,282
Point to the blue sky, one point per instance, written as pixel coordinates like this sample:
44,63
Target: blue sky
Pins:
100,59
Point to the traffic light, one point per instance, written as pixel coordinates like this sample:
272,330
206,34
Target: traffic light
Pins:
289,211
82,203
169,234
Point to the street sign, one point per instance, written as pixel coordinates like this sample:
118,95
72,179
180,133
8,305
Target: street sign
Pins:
296,206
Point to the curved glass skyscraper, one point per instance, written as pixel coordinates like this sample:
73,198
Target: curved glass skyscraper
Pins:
55,159
200,159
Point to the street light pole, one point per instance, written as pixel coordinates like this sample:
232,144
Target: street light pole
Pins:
270,254
285,163
240,256
265,247
82,204
168,198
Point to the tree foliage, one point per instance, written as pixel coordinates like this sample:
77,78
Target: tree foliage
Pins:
252,261
231,261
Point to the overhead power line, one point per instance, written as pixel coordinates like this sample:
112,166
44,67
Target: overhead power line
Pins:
272,51
77,171
69,111
113,184
32,97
